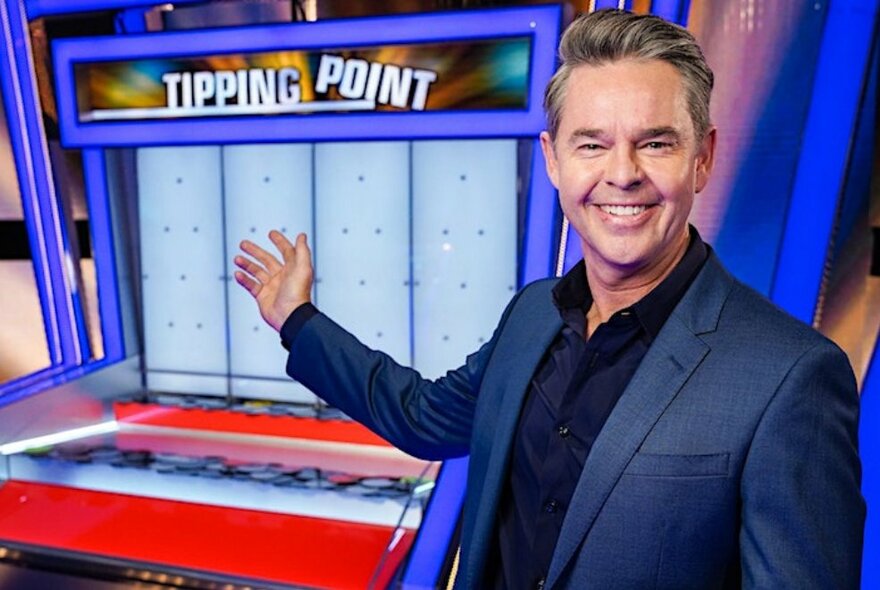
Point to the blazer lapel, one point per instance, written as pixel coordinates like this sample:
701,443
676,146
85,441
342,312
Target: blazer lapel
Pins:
674,355
515,360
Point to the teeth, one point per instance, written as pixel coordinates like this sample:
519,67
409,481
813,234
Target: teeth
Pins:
623,210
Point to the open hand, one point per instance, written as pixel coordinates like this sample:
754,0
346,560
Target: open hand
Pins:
279,288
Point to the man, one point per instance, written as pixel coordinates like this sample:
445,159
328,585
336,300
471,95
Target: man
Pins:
646,421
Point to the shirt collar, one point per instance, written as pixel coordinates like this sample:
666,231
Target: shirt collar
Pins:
572,293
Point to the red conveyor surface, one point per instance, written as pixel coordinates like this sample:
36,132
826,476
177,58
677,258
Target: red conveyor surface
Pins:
275,547
342,431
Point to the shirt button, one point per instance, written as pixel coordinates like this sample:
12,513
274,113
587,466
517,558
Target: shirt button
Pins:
563,431
551,506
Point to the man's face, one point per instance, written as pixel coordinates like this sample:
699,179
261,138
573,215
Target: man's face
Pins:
627,164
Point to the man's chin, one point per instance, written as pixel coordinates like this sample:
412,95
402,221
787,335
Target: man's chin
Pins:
622,261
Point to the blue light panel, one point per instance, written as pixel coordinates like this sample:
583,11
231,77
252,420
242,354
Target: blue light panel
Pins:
26,385
95,176
622,4
38,8
672,10
837,90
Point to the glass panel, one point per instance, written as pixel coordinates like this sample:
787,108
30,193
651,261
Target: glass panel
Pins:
265,187
464,242
181,230
415,247
362,241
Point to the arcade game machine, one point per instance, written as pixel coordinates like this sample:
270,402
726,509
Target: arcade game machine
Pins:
165,443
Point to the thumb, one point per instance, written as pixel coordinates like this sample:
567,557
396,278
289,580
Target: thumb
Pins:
302,252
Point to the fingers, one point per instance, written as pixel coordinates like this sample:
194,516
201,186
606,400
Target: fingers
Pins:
248,283
297,259
300,254
283,244
252,268
303,253
269,261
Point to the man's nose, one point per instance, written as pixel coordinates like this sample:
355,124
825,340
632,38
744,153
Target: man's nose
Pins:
623,170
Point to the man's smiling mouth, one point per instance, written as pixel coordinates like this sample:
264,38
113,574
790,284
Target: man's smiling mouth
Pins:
624,210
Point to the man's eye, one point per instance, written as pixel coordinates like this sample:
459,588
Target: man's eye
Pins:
657,145
591,147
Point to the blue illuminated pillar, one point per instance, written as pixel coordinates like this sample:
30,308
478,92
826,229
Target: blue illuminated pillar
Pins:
672,10
103,251
600,4
831,121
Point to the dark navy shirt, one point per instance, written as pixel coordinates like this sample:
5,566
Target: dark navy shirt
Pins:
571,394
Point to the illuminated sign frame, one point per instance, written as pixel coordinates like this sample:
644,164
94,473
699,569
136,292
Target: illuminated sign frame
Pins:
469,75
541,24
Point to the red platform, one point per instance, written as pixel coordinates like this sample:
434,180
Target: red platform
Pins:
247,543
340,431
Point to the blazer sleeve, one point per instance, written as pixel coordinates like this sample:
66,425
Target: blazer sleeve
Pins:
802,512
425,418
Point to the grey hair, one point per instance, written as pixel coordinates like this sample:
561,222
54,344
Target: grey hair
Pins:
607,36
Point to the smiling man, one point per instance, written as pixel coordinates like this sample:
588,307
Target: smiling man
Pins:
627,160
646,421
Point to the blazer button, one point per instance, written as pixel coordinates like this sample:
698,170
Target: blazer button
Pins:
563,431
540,584
551,506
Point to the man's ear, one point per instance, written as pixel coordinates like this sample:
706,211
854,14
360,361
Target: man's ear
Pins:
550,158
705,160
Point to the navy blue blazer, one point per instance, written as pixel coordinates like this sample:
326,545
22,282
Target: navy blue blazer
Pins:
730,459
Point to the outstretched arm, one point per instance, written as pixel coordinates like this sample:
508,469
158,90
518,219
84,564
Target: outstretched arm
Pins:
429,419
